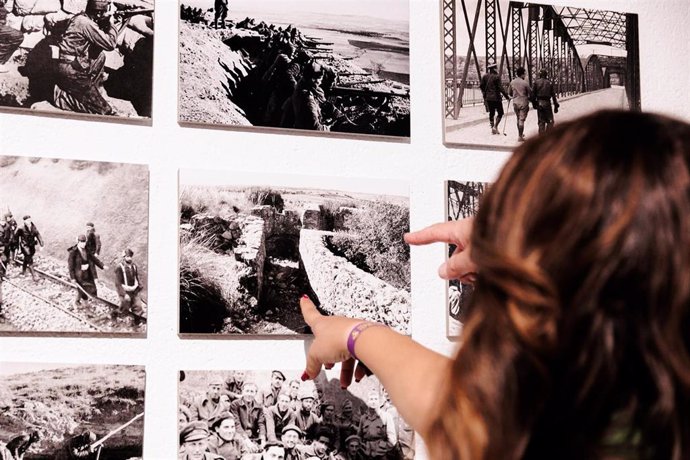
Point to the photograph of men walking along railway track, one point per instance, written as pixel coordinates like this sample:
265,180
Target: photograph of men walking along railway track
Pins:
252,245
73,247
314,65
86,57
462,202
514,69
71,411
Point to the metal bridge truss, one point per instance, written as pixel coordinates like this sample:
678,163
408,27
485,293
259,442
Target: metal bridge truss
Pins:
541,37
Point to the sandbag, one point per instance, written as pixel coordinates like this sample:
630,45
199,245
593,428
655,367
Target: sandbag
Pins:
43,7
142,24
53,18
32,23
74,6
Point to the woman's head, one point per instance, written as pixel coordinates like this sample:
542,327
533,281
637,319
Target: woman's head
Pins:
581,306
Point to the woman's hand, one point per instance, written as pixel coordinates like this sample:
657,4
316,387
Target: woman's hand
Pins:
330,344
459,265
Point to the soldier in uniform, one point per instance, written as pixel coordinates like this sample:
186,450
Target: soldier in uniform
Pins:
234,385
278,416
78,447
302,110
377,430
224,440
128,287
269,397
93,243
249,415
80,264
291,437
82,60
28,238
353,449
320,446
492,89
221,13
346,423
521,93
10,236
543,94
10,38
209,405
304,417
194,442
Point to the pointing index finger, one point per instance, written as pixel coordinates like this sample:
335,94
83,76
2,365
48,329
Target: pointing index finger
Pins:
309,311
438,233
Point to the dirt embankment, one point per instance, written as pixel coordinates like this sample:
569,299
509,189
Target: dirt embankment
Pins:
209,72
70,400
63,195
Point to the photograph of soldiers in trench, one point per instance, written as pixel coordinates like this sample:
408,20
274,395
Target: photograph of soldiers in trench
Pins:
71,411
87,57
73,247
513,69
462,202
247,415
317,65
248,253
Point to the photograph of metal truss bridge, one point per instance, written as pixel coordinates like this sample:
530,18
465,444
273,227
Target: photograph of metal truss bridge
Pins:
591,58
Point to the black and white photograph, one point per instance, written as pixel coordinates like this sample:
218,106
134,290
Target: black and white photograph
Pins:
462,202
71,411
311,65
73,247
252,244
77,58
513,70
245,414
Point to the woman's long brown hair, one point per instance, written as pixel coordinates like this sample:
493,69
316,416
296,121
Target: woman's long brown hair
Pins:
578,336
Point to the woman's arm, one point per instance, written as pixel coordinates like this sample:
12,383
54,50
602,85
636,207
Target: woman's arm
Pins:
411,373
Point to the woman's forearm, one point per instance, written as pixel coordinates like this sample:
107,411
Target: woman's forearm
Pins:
411,373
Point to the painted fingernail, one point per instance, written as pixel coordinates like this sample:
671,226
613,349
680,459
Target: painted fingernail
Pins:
343,387
305,376
305,296
358,380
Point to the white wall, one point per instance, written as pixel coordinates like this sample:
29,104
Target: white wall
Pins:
424,162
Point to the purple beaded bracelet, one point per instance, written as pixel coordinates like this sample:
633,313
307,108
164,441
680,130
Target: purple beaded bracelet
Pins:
355,333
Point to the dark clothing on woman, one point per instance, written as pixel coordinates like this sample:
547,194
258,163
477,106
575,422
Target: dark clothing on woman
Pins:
28,238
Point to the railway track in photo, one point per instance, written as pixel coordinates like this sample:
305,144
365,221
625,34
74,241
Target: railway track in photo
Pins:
48,305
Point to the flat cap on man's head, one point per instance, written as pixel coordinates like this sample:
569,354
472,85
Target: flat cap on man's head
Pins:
90,224
129,252
218,419
27,217
81,238
292,427
352,437
194,431
279,374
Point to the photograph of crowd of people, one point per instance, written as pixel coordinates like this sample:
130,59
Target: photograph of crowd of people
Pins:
87,57
514,69
70,411
252,244
73,247
462,202
231,415
317,65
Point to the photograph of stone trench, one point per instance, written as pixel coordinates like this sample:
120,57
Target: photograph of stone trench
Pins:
247,254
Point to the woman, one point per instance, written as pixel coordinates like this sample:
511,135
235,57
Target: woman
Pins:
577,341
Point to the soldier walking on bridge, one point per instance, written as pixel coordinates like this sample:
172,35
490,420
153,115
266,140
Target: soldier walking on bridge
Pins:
521,93
492,89
221,13
543,94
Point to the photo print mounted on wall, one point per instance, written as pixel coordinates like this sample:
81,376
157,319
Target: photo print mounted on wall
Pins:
529,66
252,245
310,65
69,411
462,202
77,58
236,413
74,247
